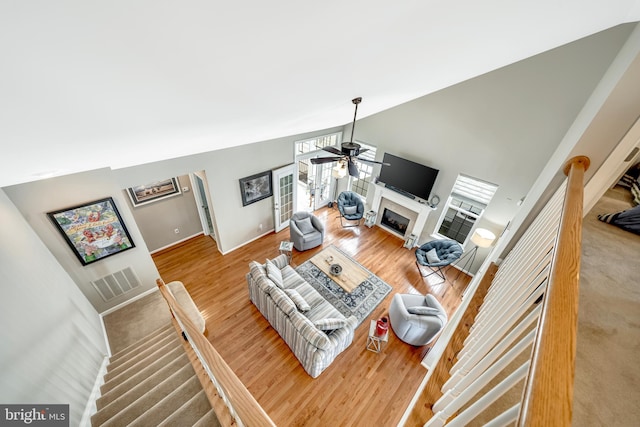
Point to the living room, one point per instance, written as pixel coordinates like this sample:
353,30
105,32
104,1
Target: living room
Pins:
501,113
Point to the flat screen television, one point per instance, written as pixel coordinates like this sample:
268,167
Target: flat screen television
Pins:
408,177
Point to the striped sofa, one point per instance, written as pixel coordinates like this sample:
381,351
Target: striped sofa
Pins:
314,330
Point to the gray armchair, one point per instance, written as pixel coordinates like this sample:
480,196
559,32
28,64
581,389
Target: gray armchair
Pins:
416,319
306,231
351,208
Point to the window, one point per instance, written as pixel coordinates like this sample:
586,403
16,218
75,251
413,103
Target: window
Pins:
361,184
466,204
315,144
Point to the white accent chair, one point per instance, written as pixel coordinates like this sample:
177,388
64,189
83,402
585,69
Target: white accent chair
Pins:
416,319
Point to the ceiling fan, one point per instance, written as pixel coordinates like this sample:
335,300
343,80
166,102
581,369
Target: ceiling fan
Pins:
349,151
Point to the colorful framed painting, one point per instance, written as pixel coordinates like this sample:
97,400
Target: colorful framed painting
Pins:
152,192
256,187
93,230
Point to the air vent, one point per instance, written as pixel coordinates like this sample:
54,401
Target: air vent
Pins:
116,284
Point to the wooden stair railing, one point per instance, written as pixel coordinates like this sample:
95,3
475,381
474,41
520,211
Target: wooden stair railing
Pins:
543,266
548,395
242,406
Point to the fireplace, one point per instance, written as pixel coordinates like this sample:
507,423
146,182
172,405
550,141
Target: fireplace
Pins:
394,221
398,214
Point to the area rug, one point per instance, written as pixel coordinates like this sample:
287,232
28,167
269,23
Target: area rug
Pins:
359,303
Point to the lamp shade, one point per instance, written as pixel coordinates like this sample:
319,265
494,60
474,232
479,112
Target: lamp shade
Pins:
339,171
483,238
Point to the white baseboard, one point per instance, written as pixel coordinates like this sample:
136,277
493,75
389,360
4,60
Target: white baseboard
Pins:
91,408
129,301
246,243
175,243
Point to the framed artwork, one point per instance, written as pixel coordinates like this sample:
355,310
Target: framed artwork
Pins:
256,187
152,192
93,230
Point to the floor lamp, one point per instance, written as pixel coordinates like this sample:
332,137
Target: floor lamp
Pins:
338,172
481,238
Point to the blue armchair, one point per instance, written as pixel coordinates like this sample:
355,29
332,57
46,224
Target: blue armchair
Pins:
436,255
351,208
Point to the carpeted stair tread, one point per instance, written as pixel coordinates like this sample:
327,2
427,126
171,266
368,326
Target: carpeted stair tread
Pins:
150,339
210,419
189,413
140,359
153,374
142,398
147,367
169,404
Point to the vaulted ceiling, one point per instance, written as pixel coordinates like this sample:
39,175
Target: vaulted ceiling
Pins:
85,85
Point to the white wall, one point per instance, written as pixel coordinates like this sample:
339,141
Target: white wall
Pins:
35,199
502,127
52,343
235,224
158,220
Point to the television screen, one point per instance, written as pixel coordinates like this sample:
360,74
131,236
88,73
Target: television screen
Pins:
406,176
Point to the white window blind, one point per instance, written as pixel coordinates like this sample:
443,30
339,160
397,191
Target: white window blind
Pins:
473,189
466,204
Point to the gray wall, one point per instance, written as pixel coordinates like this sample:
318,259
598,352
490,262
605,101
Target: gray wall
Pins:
37,198
501,127
158,220
52,343
235,225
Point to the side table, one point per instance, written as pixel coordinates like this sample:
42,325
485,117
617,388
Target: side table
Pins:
375,342
286,248
370,218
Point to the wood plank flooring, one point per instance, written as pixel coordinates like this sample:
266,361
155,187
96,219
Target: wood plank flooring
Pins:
360,388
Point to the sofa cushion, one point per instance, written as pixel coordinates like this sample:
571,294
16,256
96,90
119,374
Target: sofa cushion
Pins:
273,272
423,310
283,301
256,269
330,323
281,261
305,225
291,278
309,332
265,284
297,300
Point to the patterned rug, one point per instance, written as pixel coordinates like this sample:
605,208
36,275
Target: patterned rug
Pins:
360,303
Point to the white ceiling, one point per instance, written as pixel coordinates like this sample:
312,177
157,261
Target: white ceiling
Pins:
85,85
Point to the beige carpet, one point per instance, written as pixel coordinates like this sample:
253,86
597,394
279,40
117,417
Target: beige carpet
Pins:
607,384
136,320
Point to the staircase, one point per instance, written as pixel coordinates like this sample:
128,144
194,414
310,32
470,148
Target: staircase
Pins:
152,382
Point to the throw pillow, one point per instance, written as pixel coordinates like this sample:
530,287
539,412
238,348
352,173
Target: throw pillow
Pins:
350,210
298,300
432,256
274,273
422,310
305,225
330,323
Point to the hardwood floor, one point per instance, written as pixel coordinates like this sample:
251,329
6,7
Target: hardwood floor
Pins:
360,388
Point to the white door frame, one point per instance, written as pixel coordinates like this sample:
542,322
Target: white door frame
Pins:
205,215
279,199
317,201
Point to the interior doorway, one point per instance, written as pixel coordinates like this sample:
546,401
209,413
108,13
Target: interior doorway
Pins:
201,194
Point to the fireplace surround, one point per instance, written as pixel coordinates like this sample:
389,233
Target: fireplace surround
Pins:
415,212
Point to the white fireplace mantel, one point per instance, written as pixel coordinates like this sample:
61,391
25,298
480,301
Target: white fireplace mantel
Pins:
421,210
